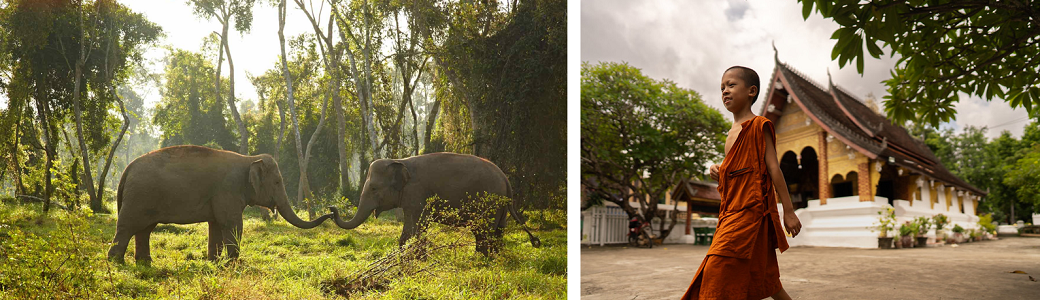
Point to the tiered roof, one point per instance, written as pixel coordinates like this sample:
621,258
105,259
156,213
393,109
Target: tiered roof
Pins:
846,118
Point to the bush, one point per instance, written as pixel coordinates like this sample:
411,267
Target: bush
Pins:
986,223
958,229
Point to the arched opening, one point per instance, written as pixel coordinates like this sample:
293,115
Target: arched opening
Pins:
841,186
802,176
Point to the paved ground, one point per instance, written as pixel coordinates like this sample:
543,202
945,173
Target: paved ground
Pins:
979,270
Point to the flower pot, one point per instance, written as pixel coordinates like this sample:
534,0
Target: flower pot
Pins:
922,241
884,242
940,235
907,241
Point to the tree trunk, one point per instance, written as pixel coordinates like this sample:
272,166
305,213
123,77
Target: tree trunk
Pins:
243,132
95,201
48,150
332,67
362,86
431,121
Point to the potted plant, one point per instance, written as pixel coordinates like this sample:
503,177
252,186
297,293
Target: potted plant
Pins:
940,221
886,222
906,234
958,233
923,225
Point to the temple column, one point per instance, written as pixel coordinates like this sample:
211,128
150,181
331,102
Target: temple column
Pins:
864,182
943,200
926,192
825,182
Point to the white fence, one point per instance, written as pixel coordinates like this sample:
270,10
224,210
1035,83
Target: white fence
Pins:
604,225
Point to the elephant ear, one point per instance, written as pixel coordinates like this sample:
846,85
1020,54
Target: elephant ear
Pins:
255,171
399,175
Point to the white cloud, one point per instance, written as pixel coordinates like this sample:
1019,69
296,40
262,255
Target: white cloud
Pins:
693,42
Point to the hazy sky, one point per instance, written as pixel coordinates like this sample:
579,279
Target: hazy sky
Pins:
254,51
693,42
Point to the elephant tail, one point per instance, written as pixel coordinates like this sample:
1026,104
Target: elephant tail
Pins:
119,191
535,242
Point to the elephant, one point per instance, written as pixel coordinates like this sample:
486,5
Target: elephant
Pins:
193,184
407,184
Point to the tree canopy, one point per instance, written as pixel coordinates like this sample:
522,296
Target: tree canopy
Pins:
987,49
640,136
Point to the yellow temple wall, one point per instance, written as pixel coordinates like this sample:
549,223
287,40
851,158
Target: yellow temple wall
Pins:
839,162
793,135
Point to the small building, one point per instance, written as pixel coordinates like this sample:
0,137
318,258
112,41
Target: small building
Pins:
843,162
691,203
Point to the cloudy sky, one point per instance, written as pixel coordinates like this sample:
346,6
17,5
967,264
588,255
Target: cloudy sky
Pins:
254,51
693,42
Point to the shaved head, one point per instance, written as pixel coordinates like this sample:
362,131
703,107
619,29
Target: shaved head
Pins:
749,76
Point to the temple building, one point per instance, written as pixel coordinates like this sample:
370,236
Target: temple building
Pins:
843,162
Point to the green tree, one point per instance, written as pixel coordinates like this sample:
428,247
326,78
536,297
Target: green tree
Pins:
189,111
66,59
506,70
640,136
1023,177
223,11
987,49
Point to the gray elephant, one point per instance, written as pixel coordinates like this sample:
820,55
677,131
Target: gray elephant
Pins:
456,178
192,184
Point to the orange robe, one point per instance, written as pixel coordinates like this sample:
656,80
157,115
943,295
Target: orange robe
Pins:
741,262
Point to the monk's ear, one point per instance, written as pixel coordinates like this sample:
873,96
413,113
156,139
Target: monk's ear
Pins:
752,92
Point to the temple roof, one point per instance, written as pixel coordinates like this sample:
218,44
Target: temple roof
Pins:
846,118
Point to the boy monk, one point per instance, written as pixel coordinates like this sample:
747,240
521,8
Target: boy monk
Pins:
741,262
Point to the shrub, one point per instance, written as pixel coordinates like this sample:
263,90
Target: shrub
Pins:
958,229
986,223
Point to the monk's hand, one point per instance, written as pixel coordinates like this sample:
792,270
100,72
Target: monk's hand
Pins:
792,224
714,169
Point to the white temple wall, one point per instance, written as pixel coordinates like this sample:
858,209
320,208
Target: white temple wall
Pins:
847,222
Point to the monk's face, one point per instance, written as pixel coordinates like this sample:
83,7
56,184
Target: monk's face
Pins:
736,93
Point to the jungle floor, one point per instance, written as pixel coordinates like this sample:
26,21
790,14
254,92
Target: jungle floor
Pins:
63,256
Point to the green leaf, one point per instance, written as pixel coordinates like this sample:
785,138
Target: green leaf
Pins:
807,6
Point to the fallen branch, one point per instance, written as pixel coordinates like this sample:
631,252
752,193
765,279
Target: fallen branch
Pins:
41,200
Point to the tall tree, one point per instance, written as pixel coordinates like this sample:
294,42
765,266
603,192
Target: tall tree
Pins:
224,11
303,154
359,27
988,49
90,43
640,136
189,111
506,69
331,57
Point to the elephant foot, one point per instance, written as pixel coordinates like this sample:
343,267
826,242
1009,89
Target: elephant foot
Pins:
116,257
146,262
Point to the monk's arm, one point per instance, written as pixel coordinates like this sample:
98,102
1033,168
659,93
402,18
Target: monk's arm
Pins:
773,167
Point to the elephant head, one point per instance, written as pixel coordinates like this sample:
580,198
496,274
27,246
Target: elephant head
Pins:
382,191
269,191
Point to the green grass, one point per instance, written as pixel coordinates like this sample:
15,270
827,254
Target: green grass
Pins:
63,256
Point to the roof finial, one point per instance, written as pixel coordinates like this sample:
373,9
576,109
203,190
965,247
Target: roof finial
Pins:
829,81
776,55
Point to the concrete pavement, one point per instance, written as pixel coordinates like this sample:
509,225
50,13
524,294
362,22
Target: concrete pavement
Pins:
979,270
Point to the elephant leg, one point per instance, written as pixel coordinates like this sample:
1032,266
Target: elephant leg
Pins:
407,232
141,241
216,240
232,236
119,244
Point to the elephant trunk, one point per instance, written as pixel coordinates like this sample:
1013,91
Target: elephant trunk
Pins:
286,211
363,212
